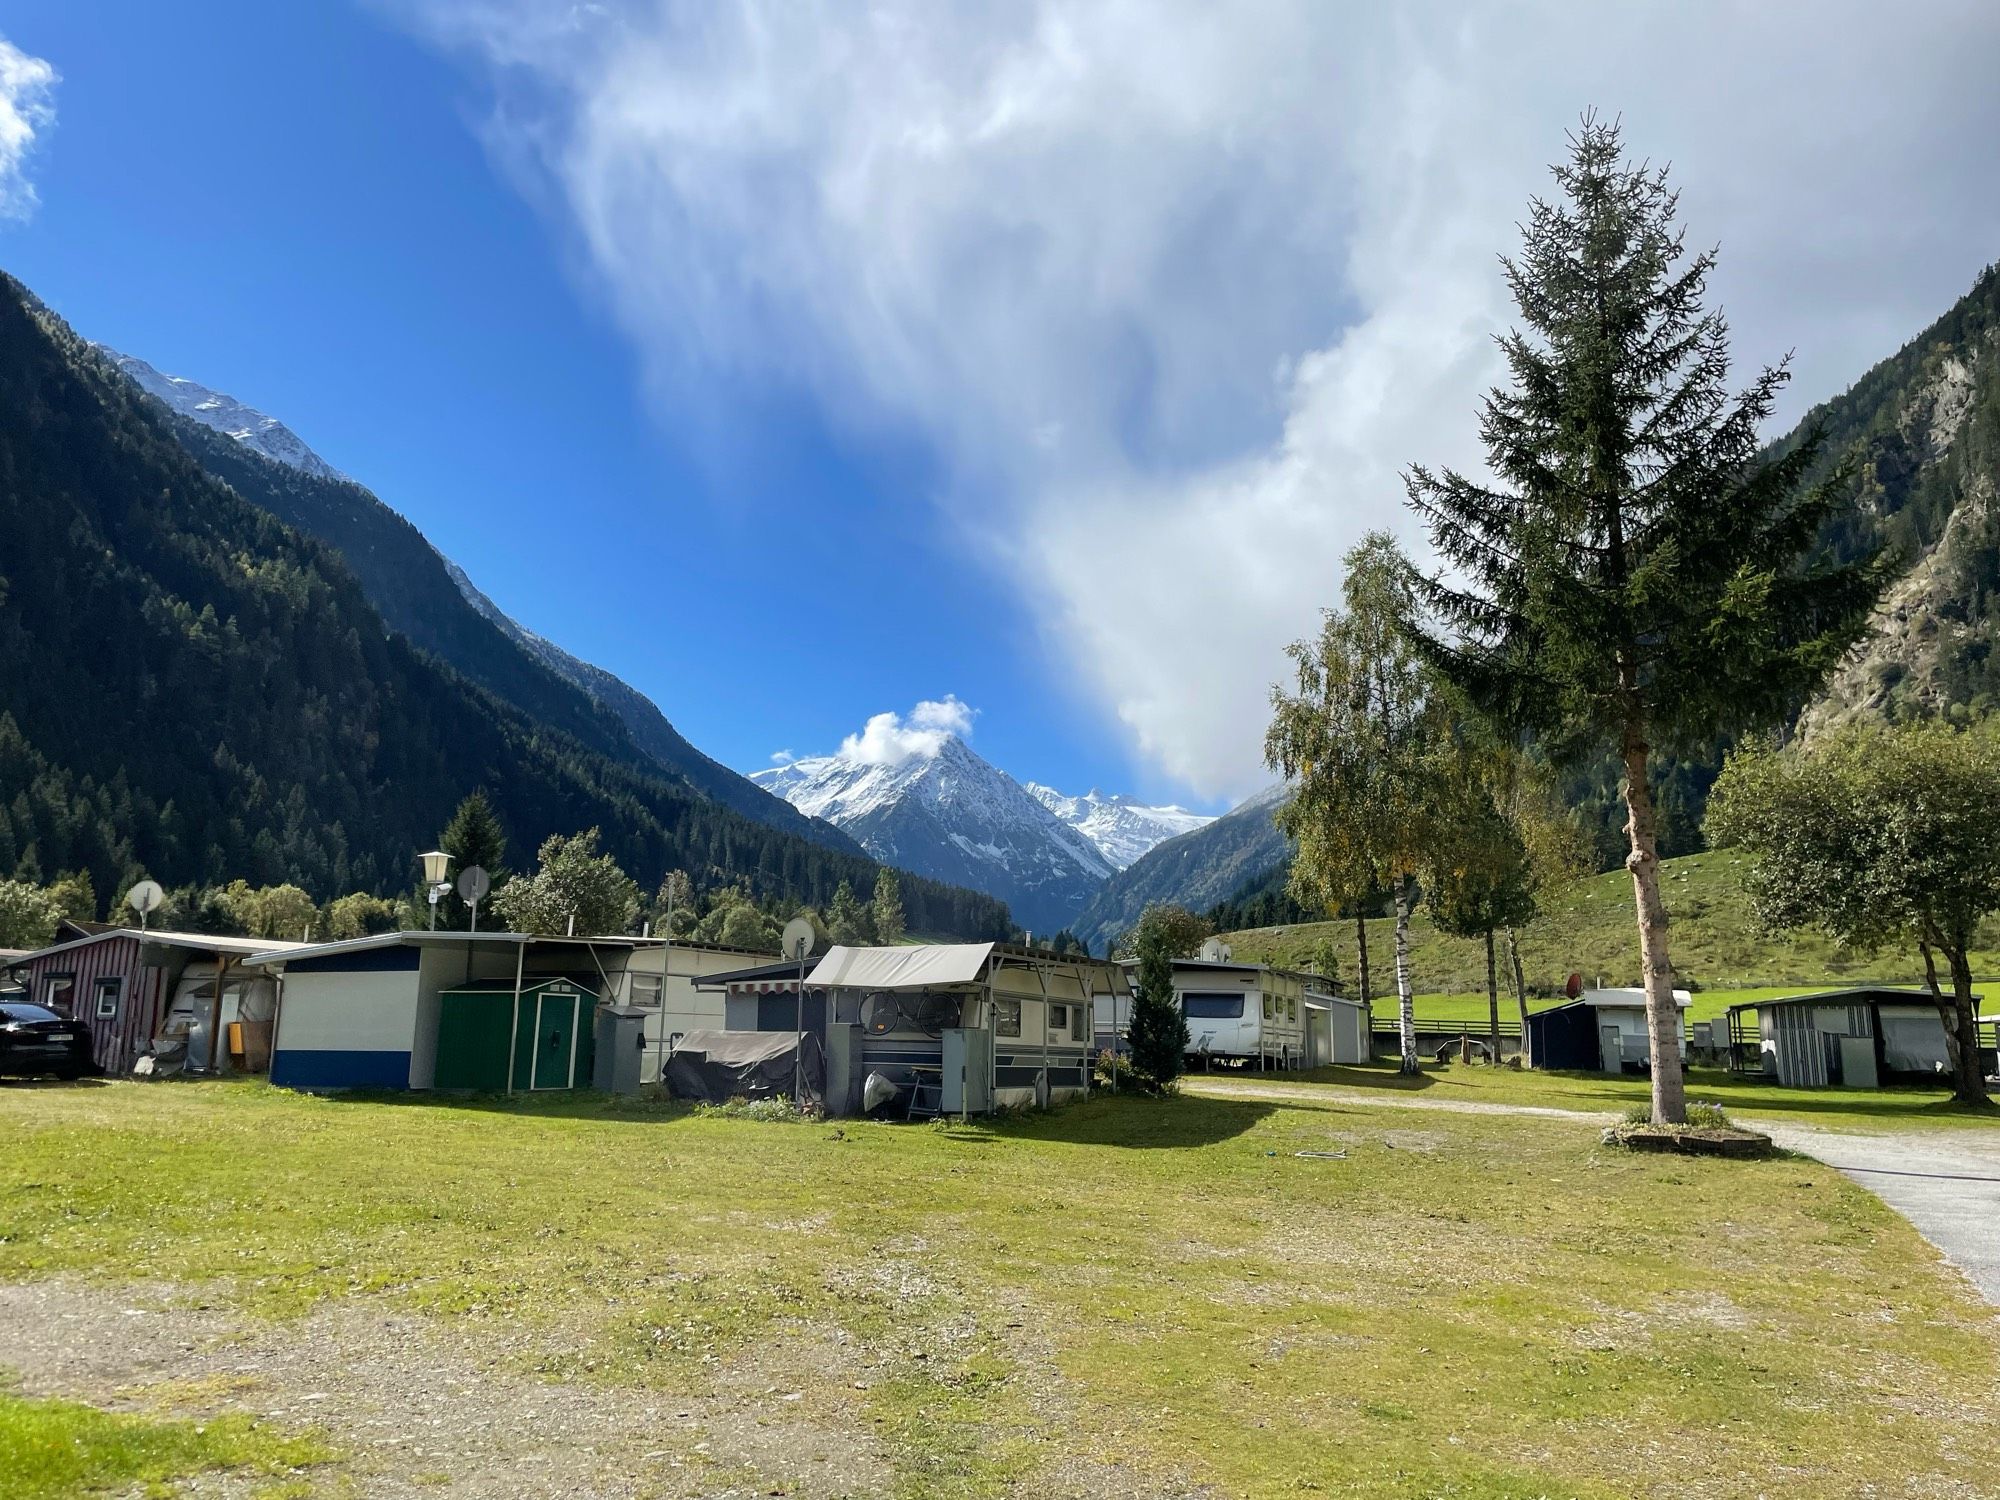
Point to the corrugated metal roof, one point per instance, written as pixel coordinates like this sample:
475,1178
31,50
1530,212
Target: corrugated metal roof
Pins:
205,942
1840,996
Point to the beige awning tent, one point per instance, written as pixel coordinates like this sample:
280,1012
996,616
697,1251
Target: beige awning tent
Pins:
913,968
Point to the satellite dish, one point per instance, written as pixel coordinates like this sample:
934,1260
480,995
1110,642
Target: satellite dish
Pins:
473,884
1574,986
145,897
797,940
1216,951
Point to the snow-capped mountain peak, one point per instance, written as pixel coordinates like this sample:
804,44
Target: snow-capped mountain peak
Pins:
225,414
1121,827
945,812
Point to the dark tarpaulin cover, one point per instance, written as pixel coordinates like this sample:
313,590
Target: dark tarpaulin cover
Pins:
714,1067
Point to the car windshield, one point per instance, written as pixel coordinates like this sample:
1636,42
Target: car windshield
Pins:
17,1011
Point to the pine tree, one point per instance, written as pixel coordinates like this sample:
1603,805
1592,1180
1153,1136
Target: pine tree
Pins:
673,905
888,908
474,836
1158,1036
1636,576
76,896
847,920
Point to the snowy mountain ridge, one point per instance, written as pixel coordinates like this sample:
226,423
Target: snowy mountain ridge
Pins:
1122,828
225,414
949,814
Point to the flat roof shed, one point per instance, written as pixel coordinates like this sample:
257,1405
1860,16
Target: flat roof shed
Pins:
1859,1037
365,1014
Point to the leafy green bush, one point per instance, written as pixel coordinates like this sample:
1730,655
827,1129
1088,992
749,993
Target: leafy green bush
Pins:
777,1110
1699,1116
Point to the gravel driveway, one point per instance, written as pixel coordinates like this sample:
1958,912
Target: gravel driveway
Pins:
1946,1185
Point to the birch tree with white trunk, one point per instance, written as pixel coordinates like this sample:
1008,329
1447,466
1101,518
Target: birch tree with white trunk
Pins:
1359,736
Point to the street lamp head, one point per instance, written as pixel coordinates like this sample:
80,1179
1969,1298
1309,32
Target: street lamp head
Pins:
436,863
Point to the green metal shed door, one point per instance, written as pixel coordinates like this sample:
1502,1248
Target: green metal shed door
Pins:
555,1042
473,1032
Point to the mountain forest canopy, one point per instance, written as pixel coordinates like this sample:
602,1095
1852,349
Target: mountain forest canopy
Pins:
194,691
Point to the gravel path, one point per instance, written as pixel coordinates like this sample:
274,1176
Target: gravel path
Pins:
1946,1185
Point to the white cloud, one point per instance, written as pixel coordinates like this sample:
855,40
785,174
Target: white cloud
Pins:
27,111
1174,292
889,739
782,757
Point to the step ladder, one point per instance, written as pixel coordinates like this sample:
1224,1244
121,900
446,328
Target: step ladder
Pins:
926,1094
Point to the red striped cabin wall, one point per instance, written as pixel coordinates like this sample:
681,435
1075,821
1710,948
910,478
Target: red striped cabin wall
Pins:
115,1041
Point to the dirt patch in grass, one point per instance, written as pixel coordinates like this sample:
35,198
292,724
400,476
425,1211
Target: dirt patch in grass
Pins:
421,1407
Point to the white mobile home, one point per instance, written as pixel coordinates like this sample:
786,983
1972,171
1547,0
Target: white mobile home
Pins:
1245,1014
689,1005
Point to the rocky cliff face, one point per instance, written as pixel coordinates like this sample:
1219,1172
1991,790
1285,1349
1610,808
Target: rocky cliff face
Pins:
1929,457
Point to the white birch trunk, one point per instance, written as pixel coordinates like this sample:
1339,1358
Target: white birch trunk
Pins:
1406,1003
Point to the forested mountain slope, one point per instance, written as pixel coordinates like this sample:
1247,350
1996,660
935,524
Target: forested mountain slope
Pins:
1195,870
430,600
191,688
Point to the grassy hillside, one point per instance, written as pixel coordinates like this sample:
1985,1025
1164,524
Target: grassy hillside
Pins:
1589,929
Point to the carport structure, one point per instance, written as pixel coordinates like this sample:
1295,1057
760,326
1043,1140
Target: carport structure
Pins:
1861,1037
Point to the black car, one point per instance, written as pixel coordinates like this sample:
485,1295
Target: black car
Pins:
34,1039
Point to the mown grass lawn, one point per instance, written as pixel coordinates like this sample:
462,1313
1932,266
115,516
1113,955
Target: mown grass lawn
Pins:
1469,1009
1883,1109
1458,1305
50,1450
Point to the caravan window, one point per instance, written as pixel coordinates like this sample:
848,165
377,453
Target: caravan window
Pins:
1058,1019
1212,1007
108,993
1079,1023
646,991
1270,1009
1292,1009
1007,1017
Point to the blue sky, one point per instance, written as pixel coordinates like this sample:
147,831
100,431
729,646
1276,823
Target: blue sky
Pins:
800,364
293,204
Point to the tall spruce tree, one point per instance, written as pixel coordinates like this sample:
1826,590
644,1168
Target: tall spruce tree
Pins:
474,836
1158,1035
887,906
847,920
1633,577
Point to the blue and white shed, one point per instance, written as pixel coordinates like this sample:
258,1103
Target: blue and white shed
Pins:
363,1014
